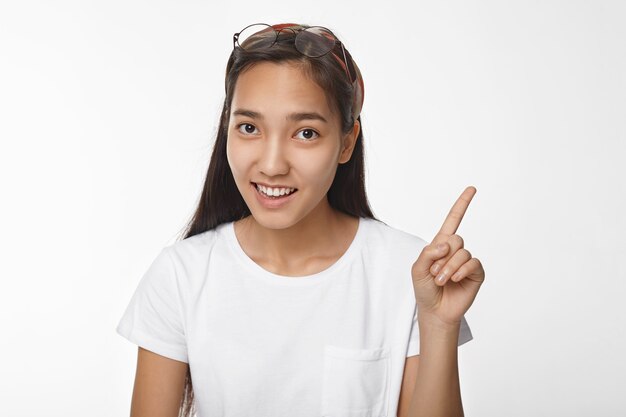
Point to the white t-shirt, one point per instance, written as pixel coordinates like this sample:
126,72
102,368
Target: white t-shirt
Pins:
332,343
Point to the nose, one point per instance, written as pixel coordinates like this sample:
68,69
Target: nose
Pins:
273,160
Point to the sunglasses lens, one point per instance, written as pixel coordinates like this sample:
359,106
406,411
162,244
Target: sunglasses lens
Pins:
256,36
315,41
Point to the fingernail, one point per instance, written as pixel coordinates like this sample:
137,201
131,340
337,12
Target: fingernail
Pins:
441,246
436,268
441,277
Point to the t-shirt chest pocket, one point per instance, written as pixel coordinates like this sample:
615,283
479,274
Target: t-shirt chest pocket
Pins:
355,382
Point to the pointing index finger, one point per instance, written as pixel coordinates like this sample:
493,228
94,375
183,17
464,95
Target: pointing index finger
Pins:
453,220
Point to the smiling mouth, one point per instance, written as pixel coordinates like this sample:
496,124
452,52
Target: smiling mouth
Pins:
271,196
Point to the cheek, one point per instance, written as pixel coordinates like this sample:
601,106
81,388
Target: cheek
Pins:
318,168
237,158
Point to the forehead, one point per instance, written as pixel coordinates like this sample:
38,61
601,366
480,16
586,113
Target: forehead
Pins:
279,88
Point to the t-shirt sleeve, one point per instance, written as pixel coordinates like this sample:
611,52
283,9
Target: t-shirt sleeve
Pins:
465,335
153,318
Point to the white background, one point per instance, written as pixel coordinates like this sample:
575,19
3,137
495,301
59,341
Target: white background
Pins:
108,112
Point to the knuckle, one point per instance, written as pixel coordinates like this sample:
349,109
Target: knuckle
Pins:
477,265
458,240
433,249
480,265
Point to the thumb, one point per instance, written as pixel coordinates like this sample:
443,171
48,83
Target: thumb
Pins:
429,255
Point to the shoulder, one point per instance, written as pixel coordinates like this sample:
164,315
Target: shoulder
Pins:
194,252
388,256
386,237
198,242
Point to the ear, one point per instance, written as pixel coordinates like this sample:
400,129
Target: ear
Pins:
349,141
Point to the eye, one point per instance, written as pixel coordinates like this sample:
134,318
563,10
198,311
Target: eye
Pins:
309,133
249,129
247,132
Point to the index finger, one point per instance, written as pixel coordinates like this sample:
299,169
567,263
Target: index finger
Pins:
453,220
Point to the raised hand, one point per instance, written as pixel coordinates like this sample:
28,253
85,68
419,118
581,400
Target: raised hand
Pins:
449,298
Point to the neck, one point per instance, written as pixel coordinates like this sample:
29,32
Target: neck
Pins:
317,235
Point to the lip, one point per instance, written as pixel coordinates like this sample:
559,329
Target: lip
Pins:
273,186
269,202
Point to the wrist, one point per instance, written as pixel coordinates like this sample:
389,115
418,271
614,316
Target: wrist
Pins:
434,323
437,336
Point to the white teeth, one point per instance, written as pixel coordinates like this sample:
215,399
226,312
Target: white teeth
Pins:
274,192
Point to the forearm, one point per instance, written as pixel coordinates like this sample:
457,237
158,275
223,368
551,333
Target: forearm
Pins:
437,389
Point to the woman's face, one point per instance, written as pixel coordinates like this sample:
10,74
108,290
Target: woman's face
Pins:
282,132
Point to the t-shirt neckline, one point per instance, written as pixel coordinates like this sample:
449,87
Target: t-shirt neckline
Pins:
317,277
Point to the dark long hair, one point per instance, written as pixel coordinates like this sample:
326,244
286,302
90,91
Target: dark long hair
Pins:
221,201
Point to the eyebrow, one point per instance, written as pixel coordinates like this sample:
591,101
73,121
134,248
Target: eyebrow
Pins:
291,116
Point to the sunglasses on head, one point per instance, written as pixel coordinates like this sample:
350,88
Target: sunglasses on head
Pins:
314,41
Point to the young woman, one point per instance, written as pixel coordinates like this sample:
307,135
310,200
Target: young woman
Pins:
287,297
